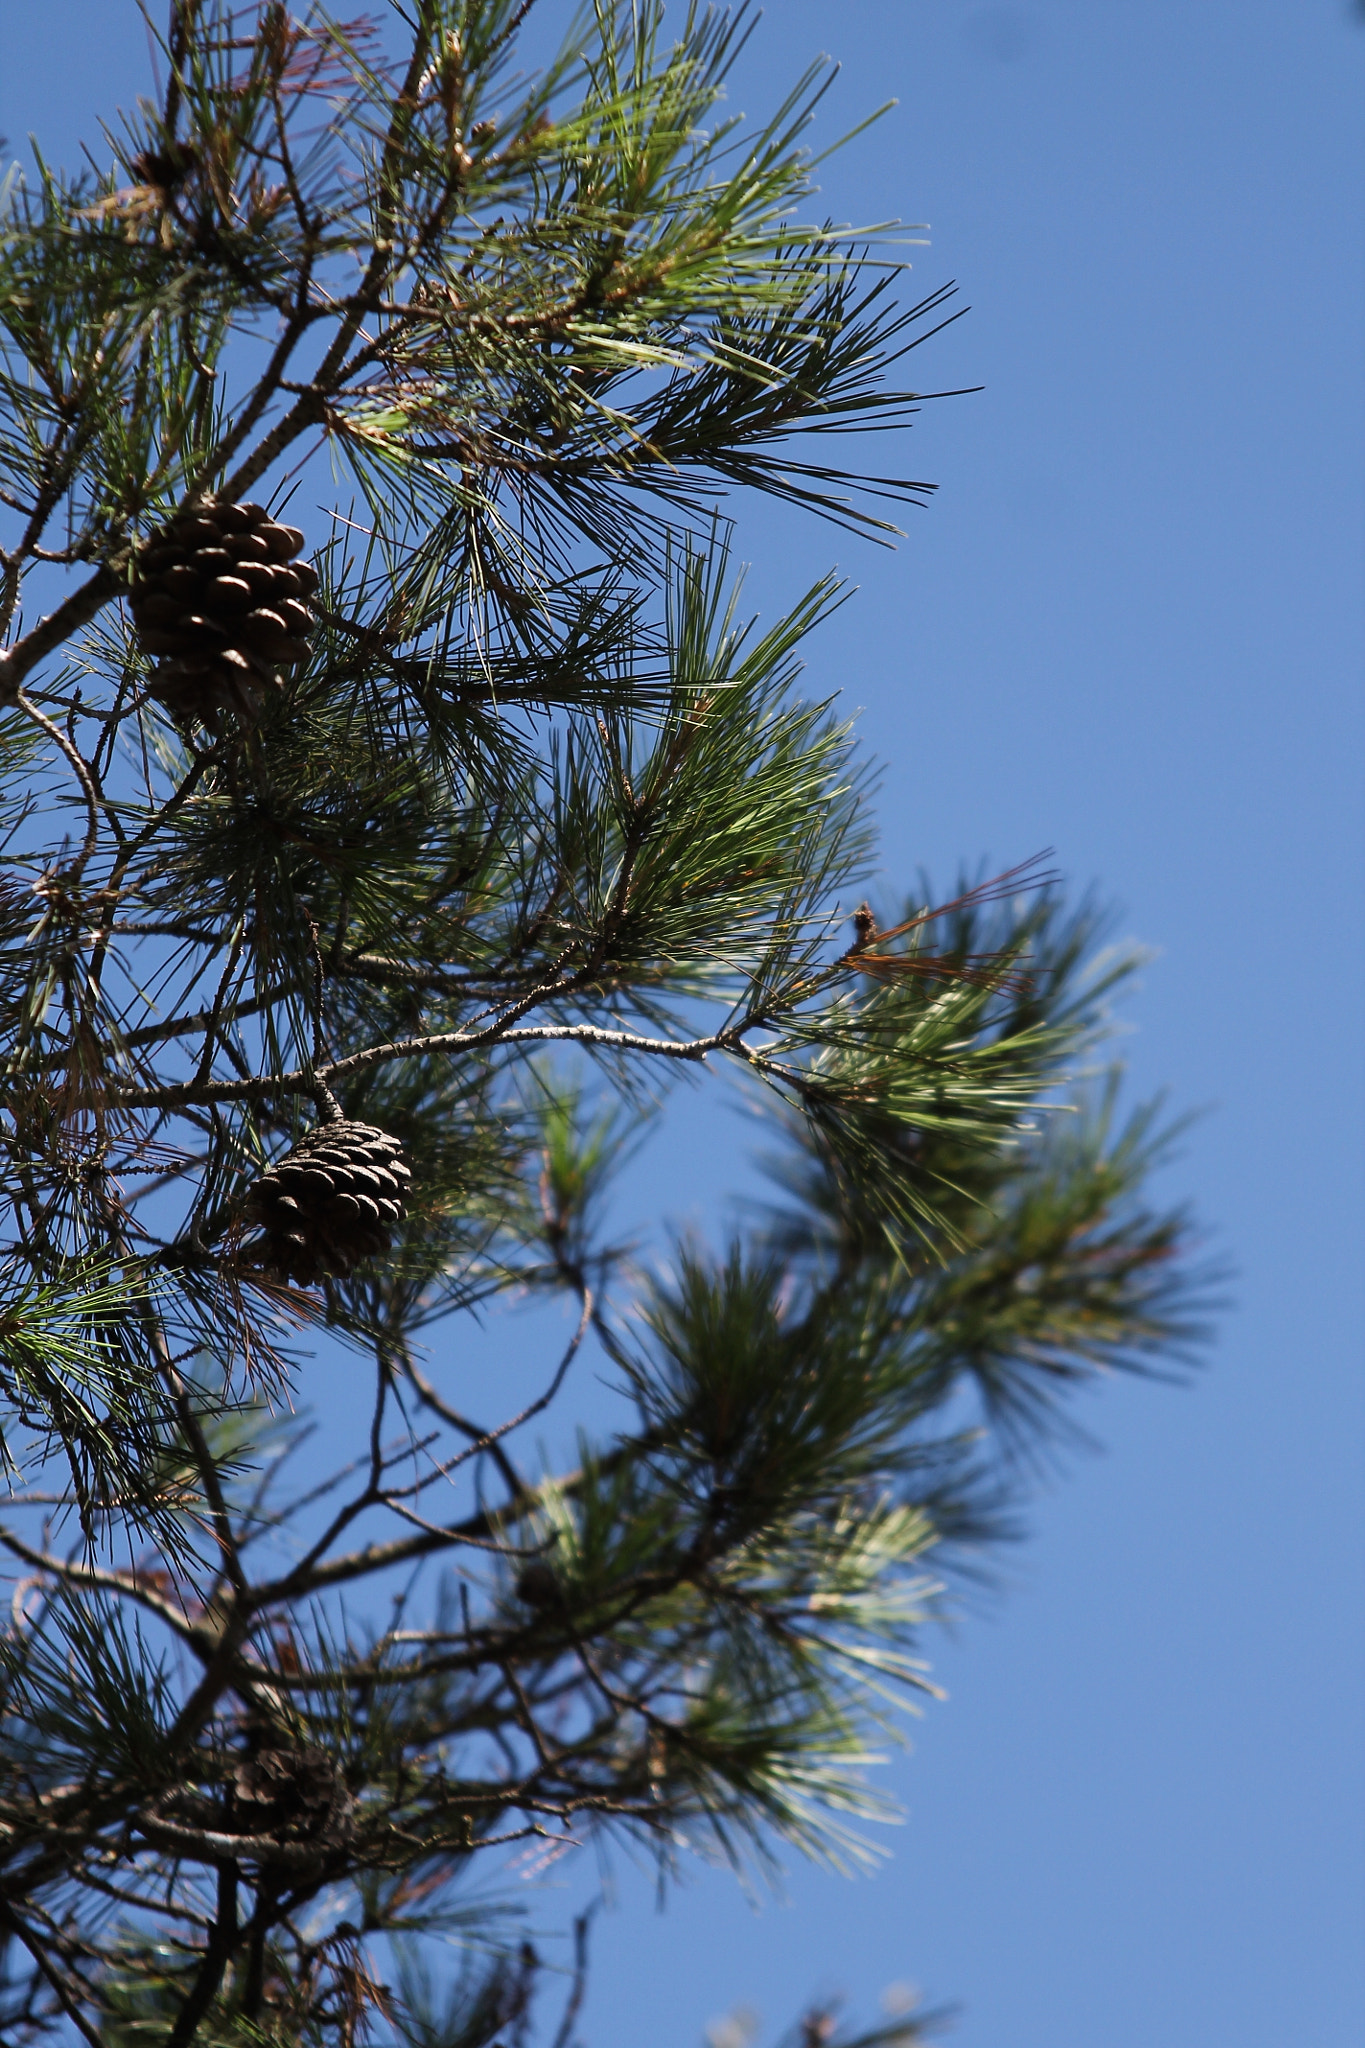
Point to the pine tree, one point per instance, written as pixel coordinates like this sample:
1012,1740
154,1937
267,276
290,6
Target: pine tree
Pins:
377,857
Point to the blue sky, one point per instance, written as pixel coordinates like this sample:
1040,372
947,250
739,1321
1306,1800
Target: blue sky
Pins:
1130,626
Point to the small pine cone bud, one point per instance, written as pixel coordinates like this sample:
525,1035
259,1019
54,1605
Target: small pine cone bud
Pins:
331,1202
221,602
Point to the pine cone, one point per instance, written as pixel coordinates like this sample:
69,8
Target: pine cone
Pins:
296,1795
220,599
538,1586
331,1202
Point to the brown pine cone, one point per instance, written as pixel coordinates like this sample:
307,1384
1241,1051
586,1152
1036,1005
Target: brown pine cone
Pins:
539,1586
295,1795
220,600
331,1202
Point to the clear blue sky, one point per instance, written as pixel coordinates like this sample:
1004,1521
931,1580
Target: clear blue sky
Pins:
1131,627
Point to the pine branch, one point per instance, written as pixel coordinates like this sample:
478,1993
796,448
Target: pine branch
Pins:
527,787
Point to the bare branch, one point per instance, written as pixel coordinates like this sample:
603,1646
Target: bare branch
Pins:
23,655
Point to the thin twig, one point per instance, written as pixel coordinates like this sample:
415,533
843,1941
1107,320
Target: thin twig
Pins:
70,877
574,2005
10,1919
297,1082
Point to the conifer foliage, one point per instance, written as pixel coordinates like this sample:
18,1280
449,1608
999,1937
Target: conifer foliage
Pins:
396,809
